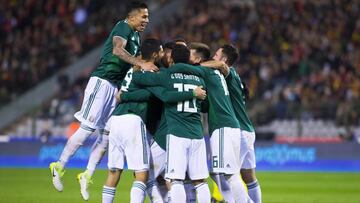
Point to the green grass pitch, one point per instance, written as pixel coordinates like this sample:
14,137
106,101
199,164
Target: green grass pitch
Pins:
34,186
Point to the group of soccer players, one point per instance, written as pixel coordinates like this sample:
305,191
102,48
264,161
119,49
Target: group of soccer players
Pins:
163,91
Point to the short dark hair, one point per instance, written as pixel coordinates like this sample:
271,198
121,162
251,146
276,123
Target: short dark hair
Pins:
149,47
180,54
202,49
180,39
169,45
231,53
134,5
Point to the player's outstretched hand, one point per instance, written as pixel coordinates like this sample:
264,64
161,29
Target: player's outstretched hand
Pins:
118,96
199,93
149,66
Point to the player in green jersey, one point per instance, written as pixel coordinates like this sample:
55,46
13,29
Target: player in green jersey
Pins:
119,52
186,149
224,129
229,54
128,139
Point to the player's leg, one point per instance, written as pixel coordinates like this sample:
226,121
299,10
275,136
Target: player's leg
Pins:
198,170
138,189
223,188
74,142
109,189
217,147
100,146
157,166
190,190
216,195
98,150
236,145
137,152
177,156
248,168
115,162
164,188
100,116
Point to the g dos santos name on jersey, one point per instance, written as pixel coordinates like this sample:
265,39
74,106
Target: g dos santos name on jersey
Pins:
184,77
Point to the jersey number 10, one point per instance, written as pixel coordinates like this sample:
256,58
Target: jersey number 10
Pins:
184,106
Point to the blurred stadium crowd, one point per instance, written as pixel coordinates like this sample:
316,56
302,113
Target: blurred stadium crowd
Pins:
299,58
38,38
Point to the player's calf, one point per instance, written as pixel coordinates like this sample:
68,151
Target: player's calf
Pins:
138,189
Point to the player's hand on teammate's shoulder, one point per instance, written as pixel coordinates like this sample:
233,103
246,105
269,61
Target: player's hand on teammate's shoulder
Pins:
118,96
199,93
149,66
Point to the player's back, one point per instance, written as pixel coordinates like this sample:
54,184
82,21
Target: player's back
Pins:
183,118
221,113
137,108
238,100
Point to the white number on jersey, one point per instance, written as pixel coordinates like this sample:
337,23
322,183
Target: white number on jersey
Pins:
223,82
127,80
184,106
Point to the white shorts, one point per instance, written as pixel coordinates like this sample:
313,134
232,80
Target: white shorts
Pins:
127,139
249,161
157,161
98,103
186,155
225,145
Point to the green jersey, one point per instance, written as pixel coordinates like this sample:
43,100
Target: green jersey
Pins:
161,132
237,96
182,118
111,67
156,122
221,113
139,107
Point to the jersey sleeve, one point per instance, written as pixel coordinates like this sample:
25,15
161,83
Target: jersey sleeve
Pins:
189,69
148,79
140,95
122,30
170,96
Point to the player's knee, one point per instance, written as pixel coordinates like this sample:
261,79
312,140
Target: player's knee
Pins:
248,175
142,175
113,177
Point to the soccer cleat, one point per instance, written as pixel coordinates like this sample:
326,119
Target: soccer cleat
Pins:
84,181
213,200
57,172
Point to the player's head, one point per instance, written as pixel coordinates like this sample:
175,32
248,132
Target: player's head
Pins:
151,50
181,41
199,52
180,54
137,15
227,53
166,60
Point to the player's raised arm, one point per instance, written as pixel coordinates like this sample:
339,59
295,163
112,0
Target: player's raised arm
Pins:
148,78
140,95
119,50
219,65
188,69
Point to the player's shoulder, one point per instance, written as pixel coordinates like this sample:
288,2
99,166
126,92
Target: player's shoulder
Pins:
122,25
